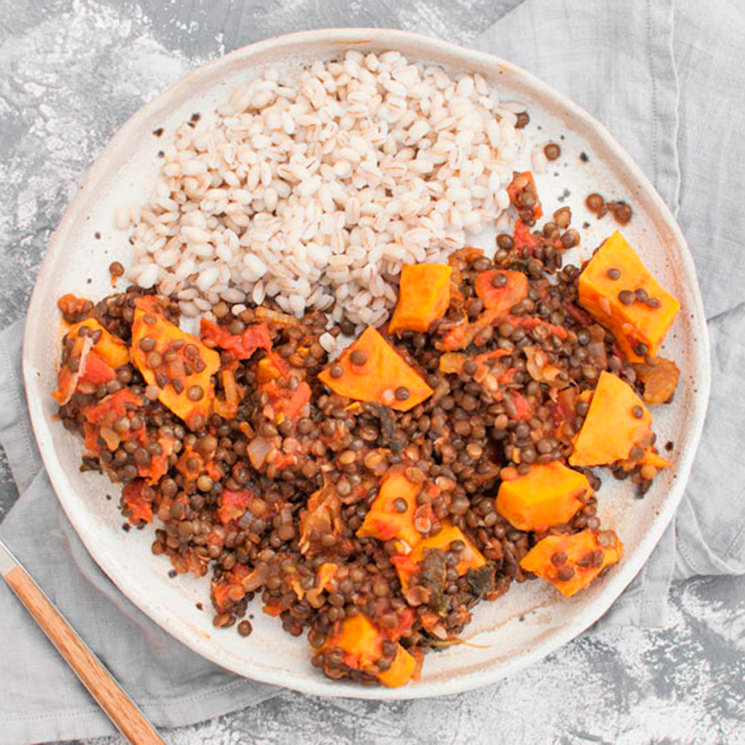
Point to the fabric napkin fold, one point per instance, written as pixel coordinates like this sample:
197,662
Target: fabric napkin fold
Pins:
660,76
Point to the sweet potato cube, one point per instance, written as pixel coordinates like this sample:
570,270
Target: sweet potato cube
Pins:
89,361
549,494
267,369
383,520
500,289
571,562
400,671
183,383
616,421
471,557
359,638
362,644
111,349
615,274
423,297
372,370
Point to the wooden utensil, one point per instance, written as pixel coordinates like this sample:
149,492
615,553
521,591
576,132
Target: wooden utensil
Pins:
122,711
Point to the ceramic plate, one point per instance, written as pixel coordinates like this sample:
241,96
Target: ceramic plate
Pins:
532,619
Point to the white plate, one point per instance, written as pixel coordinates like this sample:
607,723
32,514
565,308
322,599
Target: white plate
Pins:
532,619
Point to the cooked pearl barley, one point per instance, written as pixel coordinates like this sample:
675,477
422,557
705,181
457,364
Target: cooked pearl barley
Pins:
316,191
121,218
538,160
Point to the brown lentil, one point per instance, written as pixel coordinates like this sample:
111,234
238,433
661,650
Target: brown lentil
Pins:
195,393
594,202
523,120
552,151
116,269
358,357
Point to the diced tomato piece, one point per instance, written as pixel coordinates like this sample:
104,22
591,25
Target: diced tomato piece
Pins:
405,566
133,495
405,622
190,463
524,183
95,370
233,504
501,298
101,416
285,402
523,408
113,406
238,346
158,463
220,594
459,336
523,237
528,322
214,471
284,459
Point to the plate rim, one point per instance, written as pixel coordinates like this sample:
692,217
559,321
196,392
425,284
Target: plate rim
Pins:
613,584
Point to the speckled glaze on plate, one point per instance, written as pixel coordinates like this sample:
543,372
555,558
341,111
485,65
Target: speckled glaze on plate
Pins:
532,619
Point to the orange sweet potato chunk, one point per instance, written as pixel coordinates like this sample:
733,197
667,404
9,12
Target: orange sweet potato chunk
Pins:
611,428
549,494
189,353
362,644
423,297
471,557
400,671
372,370
501,294
108,347
383,520
67,378
571,562
94,357
638,322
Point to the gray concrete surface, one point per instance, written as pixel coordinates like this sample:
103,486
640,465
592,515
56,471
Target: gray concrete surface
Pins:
71,72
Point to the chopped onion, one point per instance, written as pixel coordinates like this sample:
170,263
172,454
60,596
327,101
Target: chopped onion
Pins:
257,451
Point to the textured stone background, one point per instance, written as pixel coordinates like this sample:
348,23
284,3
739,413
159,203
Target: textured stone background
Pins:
71,72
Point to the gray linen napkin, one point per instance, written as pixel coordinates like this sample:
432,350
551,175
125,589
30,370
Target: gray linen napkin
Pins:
660,77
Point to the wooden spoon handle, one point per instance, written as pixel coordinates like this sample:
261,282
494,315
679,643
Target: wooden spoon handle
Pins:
122,711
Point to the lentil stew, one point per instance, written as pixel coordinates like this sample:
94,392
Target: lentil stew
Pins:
371,501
